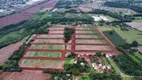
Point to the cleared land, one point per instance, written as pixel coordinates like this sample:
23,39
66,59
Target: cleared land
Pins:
89,36
48,47
91,41
50,36
49,41
7,51
24,75
31,63
136,25
92,47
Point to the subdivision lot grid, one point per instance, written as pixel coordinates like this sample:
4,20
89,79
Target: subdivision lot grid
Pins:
89,40
51,47
47,51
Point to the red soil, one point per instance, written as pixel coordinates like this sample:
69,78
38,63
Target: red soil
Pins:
7,51
24,75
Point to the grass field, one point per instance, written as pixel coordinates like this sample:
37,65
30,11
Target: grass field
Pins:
135,59
114,66
43,54
69,61
138,55
129,78
121,37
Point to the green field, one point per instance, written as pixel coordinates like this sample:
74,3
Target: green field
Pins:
129,78
121,37
135,59
43,54
139,55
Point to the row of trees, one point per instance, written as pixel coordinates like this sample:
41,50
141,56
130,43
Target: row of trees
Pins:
68,34
124,4
126,63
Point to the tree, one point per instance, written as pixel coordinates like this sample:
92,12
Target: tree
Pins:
98,54
134,44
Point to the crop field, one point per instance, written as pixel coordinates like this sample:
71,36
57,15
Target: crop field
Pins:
91,41
57,64
43,54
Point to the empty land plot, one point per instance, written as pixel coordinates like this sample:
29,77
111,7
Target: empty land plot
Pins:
56,32
93,47
49,41
50,36
68,47
7,51
51,64
89,36
91,41
56,28
24,75
82,28
48,47
87,32
43,54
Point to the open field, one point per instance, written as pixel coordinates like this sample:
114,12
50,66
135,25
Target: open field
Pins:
86,32
121,37
93,47
24,75
7,51
91,41
50,36
139,55
48,41
89,36
48,47
31,63
43,54
136,25
85,8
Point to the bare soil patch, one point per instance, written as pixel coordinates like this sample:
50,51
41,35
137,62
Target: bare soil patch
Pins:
7,51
